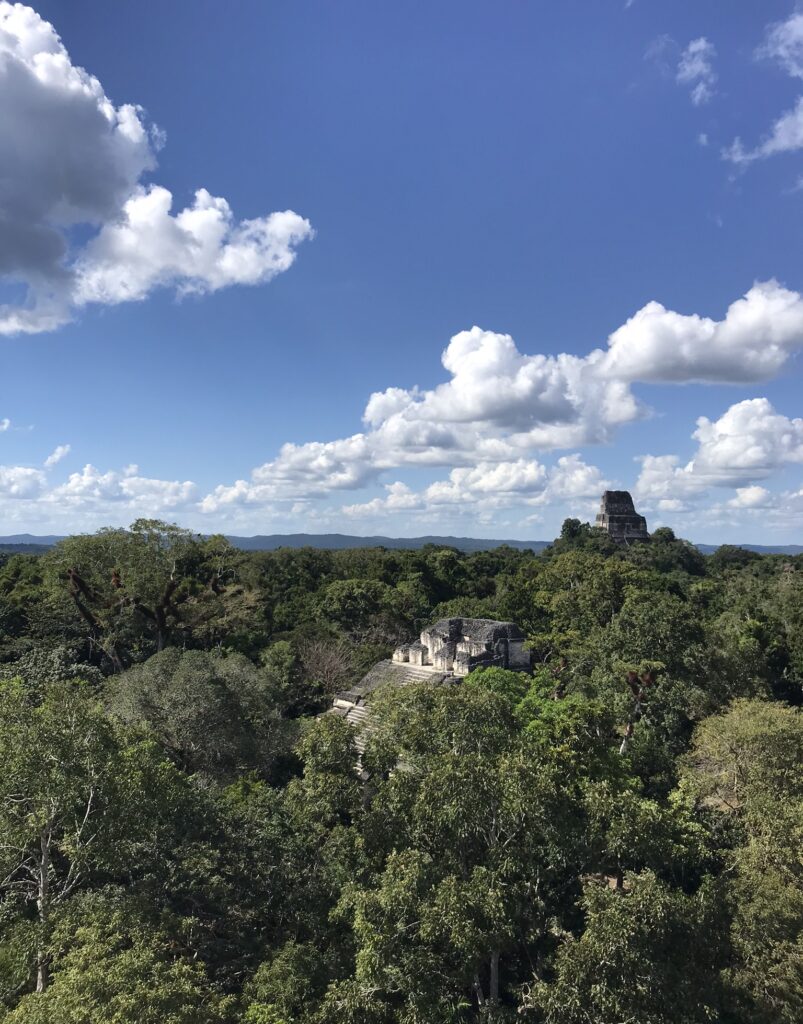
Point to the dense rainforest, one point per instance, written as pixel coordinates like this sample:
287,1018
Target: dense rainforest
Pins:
184,838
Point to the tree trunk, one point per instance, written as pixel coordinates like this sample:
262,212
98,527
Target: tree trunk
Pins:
493,983
114,657
43,909
479,993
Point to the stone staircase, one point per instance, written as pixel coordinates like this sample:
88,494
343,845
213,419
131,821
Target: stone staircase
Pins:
409,674
353,704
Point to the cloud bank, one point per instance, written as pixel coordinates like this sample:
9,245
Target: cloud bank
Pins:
482,436
498,406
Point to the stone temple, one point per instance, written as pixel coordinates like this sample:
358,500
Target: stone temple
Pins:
445,651
618,517
459,646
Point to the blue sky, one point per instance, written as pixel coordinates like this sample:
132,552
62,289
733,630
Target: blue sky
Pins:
542,171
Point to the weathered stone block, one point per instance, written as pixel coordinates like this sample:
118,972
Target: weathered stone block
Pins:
618,517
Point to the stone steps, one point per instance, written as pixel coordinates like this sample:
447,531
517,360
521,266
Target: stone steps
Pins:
413,673
357,715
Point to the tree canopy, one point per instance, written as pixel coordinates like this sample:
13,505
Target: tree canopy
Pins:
188,837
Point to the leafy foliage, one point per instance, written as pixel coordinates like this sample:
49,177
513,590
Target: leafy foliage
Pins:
185,836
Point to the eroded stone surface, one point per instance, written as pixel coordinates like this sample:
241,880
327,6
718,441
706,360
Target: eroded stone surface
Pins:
618,517
459,645
446,650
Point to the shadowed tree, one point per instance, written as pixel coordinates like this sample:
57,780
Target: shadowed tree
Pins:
212,713
648,954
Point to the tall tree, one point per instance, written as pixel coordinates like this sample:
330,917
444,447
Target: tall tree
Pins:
214,713
744,770
114,963
74,800
135,589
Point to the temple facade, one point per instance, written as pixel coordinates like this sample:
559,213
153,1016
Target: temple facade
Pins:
444,651
458,646
618,517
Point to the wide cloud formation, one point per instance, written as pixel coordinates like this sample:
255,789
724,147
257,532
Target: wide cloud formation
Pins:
71,158
29,495
488,487
484,425
499,405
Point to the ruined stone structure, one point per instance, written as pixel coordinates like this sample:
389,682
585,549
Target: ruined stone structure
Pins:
445,651
458,646
618,517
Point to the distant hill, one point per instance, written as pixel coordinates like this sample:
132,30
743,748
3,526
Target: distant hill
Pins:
761,549
332,541
31,544
28,540
24,549
338,541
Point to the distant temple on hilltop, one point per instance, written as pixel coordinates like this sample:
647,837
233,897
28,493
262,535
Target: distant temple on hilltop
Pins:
618,517
458,646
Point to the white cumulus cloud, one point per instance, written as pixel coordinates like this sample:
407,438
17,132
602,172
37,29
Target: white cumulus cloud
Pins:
571,478
532,401
21,482
749,442
71,158
757,335
91,486
751,497
200,249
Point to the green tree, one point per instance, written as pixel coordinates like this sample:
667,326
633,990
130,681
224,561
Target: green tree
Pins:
74,800
576,535
136,590
667,554
729,556
112,963
648,954
744,767
573,595
213,713
514,686
287,986
357,607
476,840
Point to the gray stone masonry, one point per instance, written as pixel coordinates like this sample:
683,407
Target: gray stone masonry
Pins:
445,651
618,517
458,646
